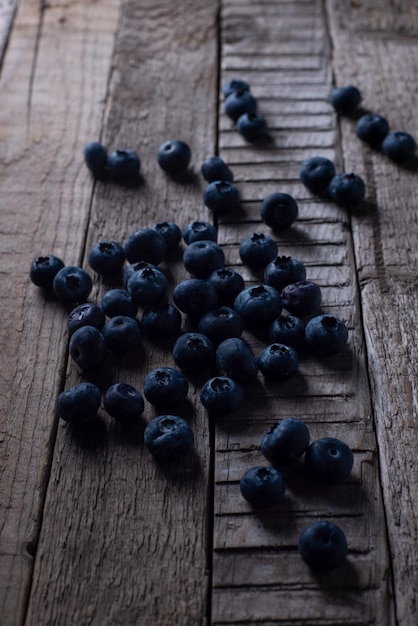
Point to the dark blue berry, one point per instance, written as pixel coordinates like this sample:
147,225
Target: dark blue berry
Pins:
146,245
161,322
262,486
220,324
238,102
329,460
235,359
195,296
347,190
203,257
72,284
345,99
258,304
285,442
171,233
118,302
214,168
168,437
95,157
79,403
278,361
123,402
221,196
279,211
301,298
323,546
106,257
252,126
235,84
86,314
257,250
135,267
122,334
44,269
284,270
147,286
316,174
289,330
165,387
221,395
326,334
88,347
399,146
193,352
123,166
372,128
228,284
198,230
174,156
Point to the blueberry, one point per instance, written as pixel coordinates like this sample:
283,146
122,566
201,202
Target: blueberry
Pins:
165,387
214,168
198,230
323,546
236,360
278,361
87,347
316,174
221,395
345,99
123,402
123,166
86,314
44,269
220,324
301,298
348,190
161,322
262,486
171,233
118,302
284,270
122,334
195,296
174,156
168,437
258,304
72,284
326,334
279,211
372,128
147,286
329,460
203,257
257,250
235,84
193,352
399,146
221,196
252,126
285,442
289,330
106,257
146,245
134,267
238,102
95,157
228,284
79,403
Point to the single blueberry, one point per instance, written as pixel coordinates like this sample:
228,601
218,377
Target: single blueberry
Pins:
174,156
235,84
316,174
235,359
228,284
347,190
284,270
372,128
345,99
122,334
134,267
171,233
165,387
203,257
198,230
86,314
257,250
221,395
123,166
329,460
193,352
278,361
279,211
168,437
161,322
326,334
146,245
195,296
79,403
220,324
238,102
285,442
399,146
72,284
95,157
118,302
301,298
147,286
106,257
44,269
221,196
323,546
123,402
262,486
87,347
288,329
252,126
258,304
214,168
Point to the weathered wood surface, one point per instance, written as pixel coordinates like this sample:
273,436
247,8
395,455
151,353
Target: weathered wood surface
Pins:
103,535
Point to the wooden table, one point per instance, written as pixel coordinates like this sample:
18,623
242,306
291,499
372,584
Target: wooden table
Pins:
102,535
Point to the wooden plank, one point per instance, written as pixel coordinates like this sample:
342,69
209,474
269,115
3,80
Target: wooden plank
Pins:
130,539
385,47
7,13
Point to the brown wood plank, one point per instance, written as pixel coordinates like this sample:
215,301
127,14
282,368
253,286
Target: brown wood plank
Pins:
384,47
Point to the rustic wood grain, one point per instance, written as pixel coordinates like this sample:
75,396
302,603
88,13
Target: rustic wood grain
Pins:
7,13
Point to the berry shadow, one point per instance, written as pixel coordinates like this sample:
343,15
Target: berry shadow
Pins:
186,177
344,576
180,471
131,433
90,435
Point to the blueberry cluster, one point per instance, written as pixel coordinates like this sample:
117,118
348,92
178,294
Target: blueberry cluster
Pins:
373,129
241,106
319,176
